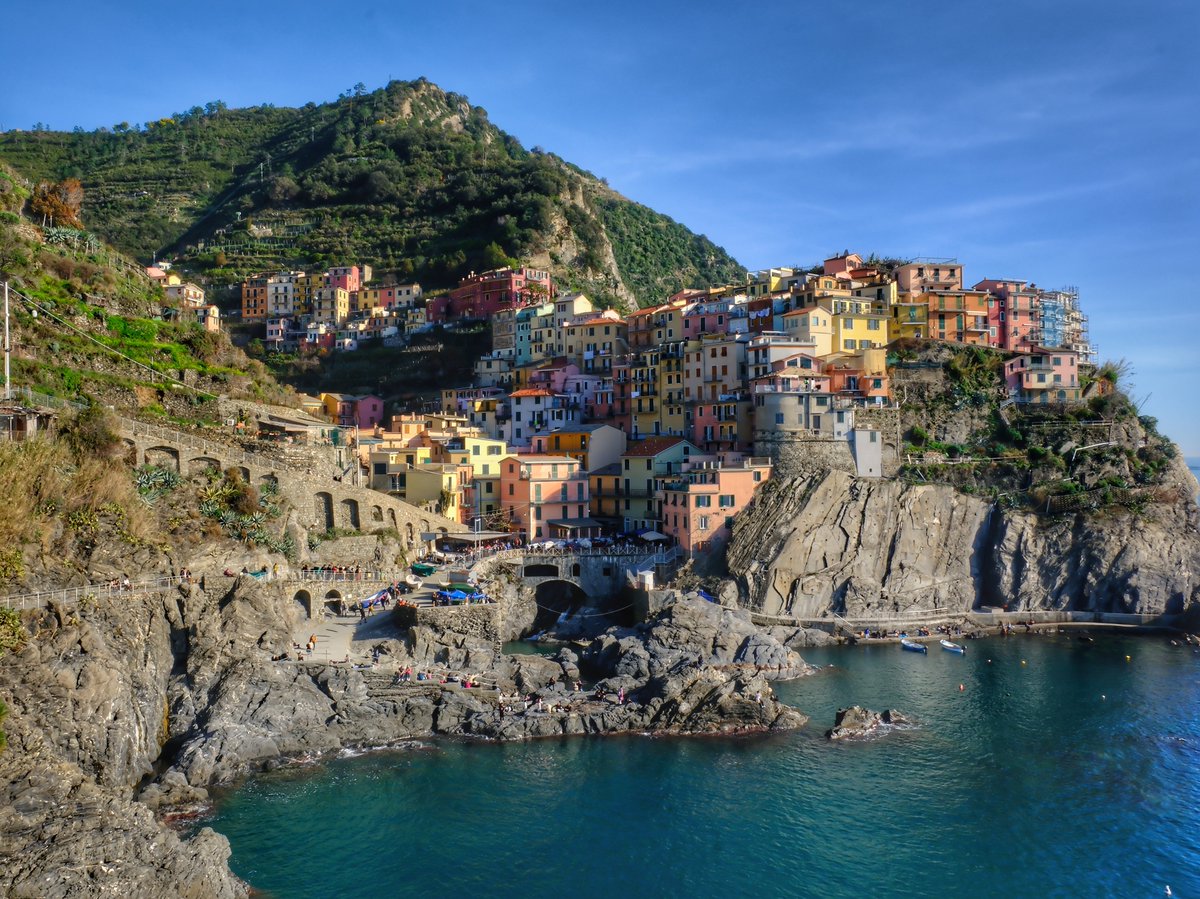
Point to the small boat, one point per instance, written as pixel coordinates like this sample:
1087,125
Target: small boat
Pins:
413,581
952,647
913,646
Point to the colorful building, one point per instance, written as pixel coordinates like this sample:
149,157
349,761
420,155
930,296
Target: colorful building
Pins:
1044,376
696,507
546,497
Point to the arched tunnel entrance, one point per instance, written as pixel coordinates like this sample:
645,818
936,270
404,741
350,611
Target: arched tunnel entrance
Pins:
304,600
555,597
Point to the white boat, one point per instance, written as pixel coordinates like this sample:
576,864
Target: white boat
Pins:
953,647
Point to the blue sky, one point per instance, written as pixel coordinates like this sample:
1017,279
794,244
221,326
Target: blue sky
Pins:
1052,141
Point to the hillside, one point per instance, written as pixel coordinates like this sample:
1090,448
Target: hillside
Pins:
408,178
88,325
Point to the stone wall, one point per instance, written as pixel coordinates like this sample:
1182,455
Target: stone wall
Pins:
320,502
478,620
793,453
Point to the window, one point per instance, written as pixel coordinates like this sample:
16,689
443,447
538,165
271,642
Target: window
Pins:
510,489
703,502
778,418
848,344
726,500
702,522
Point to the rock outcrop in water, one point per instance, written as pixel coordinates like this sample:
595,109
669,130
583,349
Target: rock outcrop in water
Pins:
857,722
832,543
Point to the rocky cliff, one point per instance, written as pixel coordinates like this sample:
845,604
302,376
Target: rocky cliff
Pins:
831,543
129,704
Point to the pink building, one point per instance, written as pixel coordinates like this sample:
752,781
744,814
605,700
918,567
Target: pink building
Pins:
725,425
707,318
546,497
348,277
1044,376
852,377
364,411
1013,316
927,275
697,507
483,295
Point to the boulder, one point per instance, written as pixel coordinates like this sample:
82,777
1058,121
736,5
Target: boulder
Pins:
856,722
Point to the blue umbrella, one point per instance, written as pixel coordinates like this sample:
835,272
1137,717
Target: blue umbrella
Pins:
457,594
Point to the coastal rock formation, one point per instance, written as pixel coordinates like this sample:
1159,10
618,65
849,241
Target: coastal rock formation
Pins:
857,722
835,544
132,703
693,633
88,719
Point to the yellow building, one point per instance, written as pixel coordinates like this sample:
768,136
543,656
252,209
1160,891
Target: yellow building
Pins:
910,317
814,326
483,454
859,330
330,304
644,395
672,416
543,335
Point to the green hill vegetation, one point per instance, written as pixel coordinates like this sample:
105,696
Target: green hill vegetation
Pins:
959,428
409,178
88,326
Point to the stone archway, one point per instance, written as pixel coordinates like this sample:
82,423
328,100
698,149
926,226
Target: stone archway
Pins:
268,481
540,570
377,514
409,532
163,457
553,598
130,452
244,472
349,514
391,513
333,601
324,510
304,599
198,465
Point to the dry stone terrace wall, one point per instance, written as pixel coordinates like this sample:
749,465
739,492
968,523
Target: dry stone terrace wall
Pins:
321,503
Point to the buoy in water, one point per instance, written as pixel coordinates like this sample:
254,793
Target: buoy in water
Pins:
961,688
1127,658
1022,661
1103,697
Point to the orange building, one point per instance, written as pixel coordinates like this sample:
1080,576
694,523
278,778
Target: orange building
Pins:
696,507
546,497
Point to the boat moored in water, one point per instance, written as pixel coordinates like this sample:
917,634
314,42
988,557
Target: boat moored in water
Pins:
952,647
913,646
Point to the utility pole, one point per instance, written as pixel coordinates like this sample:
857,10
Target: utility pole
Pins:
7,350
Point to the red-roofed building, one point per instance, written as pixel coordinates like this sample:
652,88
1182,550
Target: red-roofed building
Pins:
641,463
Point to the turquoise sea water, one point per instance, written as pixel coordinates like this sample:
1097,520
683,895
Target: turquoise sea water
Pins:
1073,774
